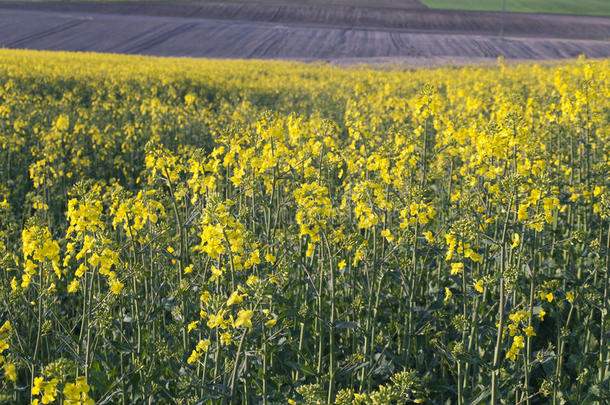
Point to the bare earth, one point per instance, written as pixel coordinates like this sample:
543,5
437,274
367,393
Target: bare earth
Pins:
303,32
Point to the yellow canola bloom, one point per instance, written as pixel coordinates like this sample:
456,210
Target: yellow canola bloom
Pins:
542,314
77,393
235,298
448,294
116,286
10,372
457,268
529,331
244,319
73,286
192,325
516,240
429,237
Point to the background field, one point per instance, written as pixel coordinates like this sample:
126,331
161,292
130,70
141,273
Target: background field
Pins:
403,4
305,32
584,7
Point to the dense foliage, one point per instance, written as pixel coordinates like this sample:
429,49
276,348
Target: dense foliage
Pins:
180,231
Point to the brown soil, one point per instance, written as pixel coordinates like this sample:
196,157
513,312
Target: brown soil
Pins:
304,32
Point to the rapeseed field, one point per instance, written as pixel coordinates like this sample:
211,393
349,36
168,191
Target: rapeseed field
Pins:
202,231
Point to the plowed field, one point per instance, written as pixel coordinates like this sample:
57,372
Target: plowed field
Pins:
304,32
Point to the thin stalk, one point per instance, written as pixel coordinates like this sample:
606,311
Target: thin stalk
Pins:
236,365
331,367
496,361
604,312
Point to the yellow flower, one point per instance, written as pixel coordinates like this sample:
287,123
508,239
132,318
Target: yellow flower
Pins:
216,273
192,325
513,329
47,398
6,326
529,331
254,259
457,268
38,385
235,298
94,260
188,269
10,371
116,287
225,338
542,314
479,286
522,212
73,286
81,270
519,341
252,280
193,357
534,196
570,297
244,318
217,320
386,233
518,344
310,250
62,123
270,258
205,296
429,237
76,393
203,345
472,255
26,279
516,240
448,294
